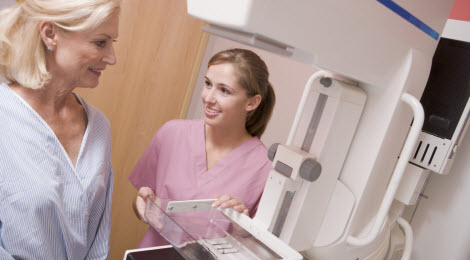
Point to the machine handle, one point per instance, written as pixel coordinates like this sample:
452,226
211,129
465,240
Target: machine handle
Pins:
303,100
408,238
405,155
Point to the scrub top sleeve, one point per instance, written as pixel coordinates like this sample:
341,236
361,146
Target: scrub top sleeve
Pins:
254,208
145,171
262,175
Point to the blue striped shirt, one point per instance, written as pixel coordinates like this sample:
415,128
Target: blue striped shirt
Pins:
50,209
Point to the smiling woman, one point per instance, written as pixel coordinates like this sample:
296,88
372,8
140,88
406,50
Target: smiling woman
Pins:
249,78
219,156
79,57
55,152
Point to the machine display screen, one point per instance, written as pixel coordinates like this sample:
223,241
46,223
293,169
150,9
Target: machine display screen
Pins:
448,88
163,253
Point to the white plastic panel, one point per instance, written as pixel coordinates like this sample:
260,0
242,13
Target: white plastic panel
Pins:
336,217
457,30
223,12
431,152
377,39
411,184
343,104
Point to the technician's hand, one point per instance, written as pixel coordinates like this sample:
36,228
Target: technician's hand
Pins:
140,203
227,201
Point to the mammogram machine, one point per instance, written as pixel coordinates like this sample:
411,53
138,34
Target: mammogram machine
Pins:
337,189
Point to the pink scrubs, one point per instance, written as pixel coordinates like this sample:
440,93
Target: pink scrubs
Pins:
174,166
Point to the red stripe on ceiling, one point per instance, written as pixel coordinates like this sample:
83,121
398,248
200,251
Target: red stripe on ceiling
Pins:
461,10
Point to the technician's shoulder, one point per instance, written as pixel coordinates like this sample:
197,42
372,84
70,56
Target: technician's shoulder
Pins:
260,147
178,126
258,154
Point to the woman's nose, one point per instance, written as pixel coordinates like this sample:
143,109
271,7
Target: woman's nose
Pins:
110,56
209,95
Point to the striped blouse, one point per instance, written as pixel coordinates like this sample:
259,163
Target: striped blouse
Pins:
50,209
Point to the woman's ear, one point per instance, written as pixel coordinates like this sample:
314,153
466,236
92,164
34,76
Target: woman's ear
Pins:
48,32
253,103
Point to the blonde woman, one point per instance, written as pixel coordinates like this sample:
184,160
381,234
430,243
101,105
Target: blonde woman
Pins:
55,153
217,156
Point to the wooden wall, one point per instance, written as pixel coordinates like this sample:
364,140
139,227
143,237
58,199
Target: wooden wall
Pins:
159,51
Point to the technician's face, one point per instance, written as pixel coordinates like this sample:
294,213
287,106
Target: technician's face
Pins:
225,101
80,57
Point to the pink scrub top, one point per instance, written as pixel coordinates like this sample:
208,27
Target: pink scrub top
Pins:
174,167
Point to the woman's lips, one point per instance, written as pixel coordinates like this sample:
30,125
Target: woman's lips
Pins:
211,112
96,72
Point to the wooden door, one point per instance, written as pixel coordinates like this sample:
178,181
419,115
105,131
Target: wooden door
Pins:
159,50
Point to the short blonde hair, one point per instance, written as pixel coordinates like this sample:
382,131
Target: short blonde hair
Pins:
22,51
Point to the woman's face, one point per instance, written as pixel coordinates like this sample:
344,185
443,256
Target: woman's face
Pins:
225,101
80,57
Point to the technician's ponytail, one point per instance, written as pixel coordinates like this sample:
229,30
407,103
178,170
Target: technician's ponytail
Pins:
257,121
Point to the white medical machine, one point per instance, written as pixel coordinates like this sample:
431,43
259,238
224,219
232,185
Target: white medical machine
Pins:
352,160
331,191
446,102
195,231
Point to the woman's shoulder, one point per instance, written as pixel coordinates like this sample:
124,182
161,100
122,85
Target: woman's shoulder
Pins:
256,153
178,125
94,114
259,146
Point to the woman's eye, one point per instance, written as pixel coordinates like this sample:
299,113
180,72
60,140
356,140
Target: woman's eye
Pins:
100,43
207,83
225,91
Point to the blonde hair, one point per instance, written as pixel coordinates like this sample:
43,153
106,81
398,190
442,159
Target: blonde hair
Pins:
253,76
22,51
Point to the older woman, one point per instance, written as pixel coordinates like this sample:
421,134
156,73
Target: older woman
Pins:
55,163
